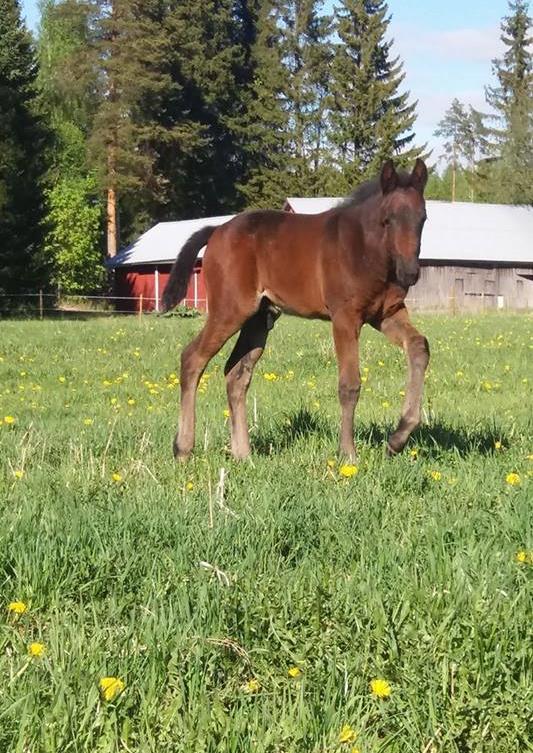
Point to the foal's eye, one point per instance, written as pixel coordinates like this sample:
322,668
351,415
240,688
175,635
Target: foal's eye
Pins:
386,221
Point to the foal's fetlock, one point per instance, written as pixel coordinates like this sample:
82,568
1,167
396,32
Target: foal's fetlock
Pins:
180,453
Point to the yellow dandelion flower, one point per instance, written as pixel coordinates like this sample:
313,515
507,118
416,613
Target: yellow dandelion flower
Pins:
62,379
513,479
116,477
270,376
414,453
252,686
226,413
88,421
385,404
18,474
435,475
9,419
111,687
189,486
348,470
347,734
497,445
294,672
131,401
521,556
36,649
380,688
17,607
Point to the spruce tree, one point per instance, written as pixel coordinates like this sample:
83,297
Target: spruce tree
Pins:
307,56
370,119
266,136
210,48
22,148
512,100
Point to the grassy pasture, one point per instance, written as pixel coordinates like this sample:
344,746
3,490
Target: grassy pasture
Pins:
133,567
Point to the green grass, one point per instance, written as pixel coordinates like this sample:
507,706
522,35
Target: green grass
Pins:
390,574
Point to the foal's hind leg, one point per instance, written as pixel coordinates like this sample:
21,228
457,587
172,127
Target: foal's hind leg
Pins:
399,330
239,369
194,359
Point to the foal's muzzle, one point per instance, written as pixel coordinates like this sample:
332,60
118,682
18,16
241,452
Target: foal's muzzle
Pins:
407,272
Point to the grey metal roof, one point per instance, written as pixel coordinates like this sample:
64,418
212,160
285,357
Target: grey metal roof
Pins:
460,232
162,242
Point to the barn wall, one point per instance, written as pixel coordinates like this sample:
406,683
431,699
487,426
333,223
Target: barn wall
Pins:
132,282
465,288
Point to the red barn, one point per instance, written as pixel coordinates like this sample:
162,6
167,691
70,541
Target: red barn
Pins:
142,269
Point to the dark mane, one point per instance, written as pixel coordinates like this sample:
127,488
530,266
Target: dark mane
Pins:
370,188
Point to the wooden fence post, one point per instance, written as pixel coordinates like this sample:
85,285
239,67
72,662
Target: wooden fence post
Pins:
40,304
140,307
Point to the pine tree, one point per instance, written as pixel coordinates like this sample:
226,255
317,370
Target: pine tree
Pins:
128,53
512,99
22,147
370,119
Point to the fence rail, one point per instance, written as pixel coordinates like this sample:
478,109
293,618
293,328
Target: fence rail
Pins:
43,304
53,304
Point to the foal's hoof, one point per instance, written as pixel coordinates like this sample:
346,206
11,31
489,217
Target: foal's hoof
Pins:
181,455
393,448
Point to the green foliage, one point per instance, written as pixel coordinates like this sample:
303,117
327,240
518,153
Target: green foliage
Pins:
391,574
23,139
74,242
440,186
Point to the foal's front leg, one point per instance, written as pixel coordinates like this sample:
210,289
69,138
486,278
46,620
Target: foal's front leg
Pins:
399,330
346,328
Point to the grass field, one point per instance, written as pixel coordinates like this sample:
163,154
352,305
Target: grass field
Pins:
254,618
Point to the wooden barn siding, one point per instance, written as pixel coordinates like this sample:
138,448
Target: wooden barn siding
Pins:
476,288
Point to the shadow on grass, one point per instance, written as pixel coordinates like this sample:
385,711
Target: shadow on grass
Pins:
433,439
293,427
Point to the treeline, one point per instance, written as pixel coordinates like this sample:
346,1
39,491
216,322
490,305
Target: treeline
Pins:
127,112
489,156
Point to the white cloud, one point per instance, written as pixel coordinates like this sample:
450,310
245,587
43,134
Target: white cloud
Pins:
468,44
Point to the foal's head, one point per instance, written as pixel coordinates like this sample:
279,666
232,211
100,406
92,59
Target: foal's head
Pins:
403,213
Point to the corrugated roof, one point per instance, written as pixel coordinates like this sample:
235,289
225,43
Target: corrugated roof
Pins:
461,232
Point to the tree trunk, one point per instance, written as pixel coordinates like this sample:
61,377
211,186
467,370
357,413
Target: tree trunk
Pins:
112,230
454,172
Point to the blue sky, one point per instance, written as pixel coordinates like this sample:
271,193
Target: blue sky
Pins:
446,47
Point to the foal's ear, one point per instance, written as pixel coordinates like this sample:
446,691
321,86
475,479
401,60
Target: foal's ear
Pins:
389,177
419,176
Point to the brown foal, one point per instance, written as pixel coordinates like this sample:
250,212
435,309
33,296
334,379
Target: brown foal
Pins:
351,265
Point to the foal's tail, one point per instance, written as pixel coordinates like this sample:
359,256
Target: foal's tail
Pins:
181,271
